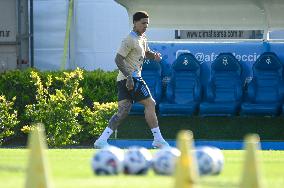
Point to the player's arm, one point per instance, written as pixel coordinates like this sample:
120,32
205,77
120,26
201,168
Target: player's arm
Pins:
126,47
123,67
153,55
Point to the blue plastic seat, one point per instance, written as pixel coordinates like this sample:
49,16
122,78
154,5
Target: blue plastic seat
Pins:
151,73
264,96
183,91
224,90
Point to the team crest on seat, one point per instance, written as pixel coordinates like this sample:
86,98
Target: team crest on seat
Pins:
185,62
225,61
268,60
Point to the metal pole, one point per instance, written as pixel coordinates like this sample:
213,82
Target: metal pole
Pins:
32,32
19,33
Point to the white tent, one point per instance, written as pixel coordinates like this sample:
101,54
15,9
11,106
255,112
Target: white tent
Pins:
264,15
98,26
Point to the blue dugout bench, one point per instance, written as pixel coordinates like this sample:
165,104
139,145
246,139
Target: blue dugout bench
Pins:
216,79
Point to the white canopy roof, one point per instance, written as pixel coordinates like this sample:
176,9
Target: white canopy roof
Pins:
210,14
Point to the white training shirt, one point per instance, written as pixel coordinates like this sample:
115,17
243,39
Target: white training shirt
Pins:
133,48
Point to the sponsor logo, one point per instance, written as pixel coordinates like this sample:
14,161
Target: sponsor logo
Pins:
5,33
219,34
209,57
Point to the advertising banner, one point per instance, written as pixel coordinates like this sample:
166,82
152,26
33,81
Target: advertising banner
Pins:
8,21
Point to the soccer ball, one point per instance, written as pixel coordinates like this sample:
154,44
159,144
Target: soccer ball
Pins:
108,161
164,161
137,160
219,159
205,160
210,160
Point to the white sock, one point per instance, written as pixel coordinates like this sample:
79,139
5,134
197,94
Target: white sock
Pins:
157,134
106,134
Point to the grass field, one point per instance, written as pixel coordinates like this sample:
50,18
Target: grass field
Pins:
70,168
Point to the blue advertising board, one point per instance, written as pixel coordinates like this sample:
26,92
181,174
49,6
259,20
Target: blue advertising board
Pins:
206,52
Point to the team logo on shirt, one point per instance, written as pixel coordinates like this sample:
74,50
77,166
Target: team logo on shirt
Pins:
147,61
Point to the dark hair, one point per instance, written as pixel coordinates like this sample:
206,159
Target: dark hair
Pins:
139,15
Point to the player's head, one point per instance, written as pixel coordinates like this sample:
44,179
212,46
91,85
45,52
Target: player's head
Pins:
140,21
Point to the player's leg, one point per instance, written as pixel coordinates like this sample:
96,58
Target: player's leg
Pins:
152,121
124,106
143,96
150,112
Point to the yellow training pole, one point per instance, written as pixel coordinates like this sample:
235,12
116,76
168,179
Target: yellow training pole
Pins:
186,174
67,34
37,171
251,170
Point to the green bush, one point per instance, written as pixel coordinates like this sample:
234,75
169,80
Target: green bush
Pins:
57,109
98,85
96,119
8,118
18,84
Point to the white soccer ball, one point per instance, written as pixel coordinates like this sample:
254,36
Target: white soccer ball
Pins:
205,161
108,161
164,161
210,160
137,160
219,160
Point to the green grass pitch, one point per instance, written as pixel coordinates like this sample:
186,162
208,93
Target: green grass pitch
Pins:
70,168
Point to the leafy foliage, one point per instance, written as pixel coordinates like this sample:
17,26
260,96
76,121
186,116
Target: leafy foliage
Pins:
96,118
57,109
8,118
59,99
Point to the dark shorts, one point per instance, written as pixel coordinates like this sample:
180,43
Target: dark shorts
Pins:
139,92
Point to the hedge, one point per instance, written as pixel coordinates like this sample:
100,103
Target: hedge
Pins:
23,90
98,86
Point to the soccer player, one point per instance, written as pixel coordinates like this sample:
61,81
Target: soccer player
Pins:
131,86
